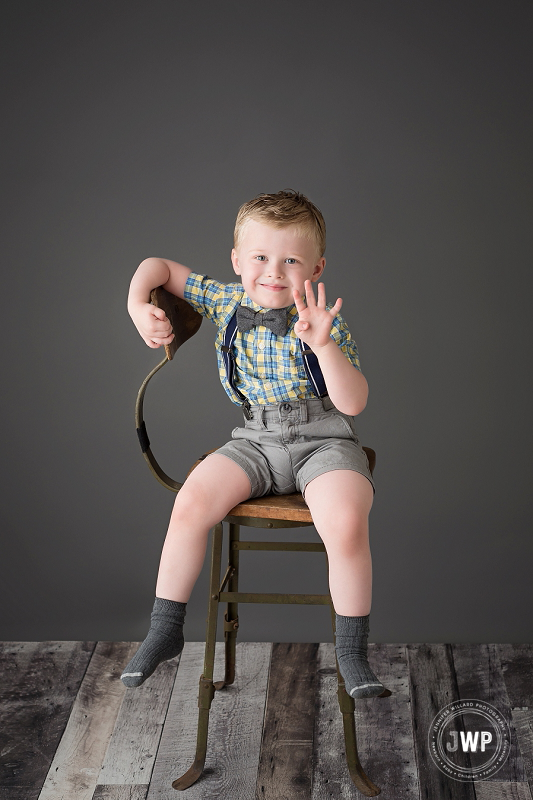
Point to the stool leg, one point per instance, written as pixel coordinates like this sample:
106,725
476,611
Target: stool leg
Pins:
231,624
231,619
347,707
207,687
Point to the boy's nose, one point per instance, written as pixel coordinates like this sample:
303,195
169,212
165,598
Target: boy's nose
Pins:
275,270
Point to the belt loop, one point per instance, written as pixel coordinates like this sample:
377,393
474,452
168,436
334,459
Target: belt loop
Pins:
261,415
303,411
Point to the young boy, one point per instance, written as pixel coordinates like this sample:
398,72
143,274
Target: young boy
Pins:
294,369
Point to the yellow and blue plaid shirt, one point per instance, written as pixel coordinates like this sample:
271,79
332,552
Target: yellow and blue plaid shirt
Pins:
269,368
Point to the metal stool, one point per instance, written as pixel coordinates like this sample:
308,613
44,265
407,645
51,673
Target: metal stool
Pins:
270,511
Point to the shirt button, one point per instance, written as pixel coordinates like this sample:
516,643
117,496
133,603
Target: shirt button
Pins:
261,345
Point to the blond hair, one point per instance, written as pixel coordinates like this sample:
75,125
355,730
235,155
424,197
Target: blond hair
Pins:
281,209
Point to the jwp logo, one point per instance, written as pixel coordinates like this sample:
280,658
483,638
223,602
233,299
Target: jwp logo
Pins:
469,740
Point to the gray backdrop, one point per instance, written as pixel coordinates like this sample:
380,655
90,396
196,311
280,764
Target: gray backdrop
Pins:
135,129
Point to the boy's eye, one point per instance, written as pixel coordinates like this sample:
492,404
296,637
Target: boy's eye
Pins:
290,260
261,257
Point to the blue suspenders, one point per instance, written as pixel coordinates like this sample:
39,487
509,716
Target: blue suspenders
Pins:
312,368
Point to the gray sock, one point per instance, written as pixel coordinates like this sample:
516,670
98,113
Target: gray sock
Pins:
163,641
351,636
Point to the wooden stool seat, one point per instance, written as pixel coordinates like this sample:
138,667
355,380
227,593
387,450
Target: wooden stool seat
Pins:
289,507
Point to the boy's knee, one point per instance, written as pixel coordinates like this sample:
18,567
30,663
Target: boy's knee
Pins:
344,529
192,500
206,498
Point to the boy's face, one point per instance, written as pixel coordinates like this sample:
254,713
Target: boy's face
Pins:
274,261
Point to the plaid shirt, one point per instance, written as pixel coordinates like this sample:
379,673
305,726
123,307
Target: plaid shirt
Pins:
270,368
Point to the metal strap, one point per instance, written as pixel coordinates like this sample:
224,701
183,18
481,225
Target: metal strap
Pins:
161,476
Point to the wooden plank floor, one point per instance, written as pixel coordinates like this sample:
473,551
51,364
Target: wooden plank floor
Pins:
69,730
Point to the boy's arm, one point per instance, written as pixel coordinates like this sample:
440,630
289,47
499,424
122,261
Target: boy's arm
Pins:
347,386
151,322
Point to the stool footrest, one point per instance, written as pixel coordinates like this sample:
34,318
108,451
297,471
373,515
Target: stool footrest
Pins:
311,547
254,597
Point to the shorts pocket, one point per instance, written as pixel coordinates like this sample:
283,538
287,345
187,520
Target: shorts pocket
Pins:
347,424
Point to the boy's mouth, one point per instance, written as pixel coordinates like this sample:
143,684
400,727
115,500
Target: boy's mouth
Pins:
273,286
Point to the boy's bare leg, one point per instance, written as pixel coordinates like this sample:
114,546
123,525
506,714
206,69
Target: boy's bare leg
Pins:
340,502
212,489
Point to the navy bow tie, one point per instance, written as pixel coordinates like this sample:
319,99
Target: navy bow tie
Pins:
275,318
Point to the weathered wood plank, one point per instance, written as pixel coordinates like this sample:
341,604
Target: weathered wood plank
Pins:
383,727
331,779
479,676
131,753
499,790
236,719
517,669
523,726
433,685
40,681
286,762
74,771
121,792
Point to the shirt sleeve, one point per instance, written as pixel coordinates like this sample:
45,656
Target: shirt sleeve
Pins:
207,296
341,335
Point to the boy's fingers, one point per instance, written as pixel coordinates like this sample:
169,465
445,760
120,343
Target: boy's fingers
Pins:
309,294
161,330
321,295
162,339
337,307
159,313
160,325
298,301
301,326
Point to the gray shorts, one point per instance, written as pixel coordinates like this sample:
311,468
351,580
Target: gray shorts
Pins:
285,445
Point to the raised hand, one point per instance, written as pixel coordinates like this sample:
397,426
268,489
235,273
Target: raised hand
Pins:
314,320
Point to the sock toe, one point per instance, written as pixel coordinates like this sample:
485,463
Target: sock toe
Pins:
367,690
132,679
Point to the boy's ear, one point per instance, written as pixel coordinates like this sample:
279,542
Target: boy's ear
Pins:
319,269
235,262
